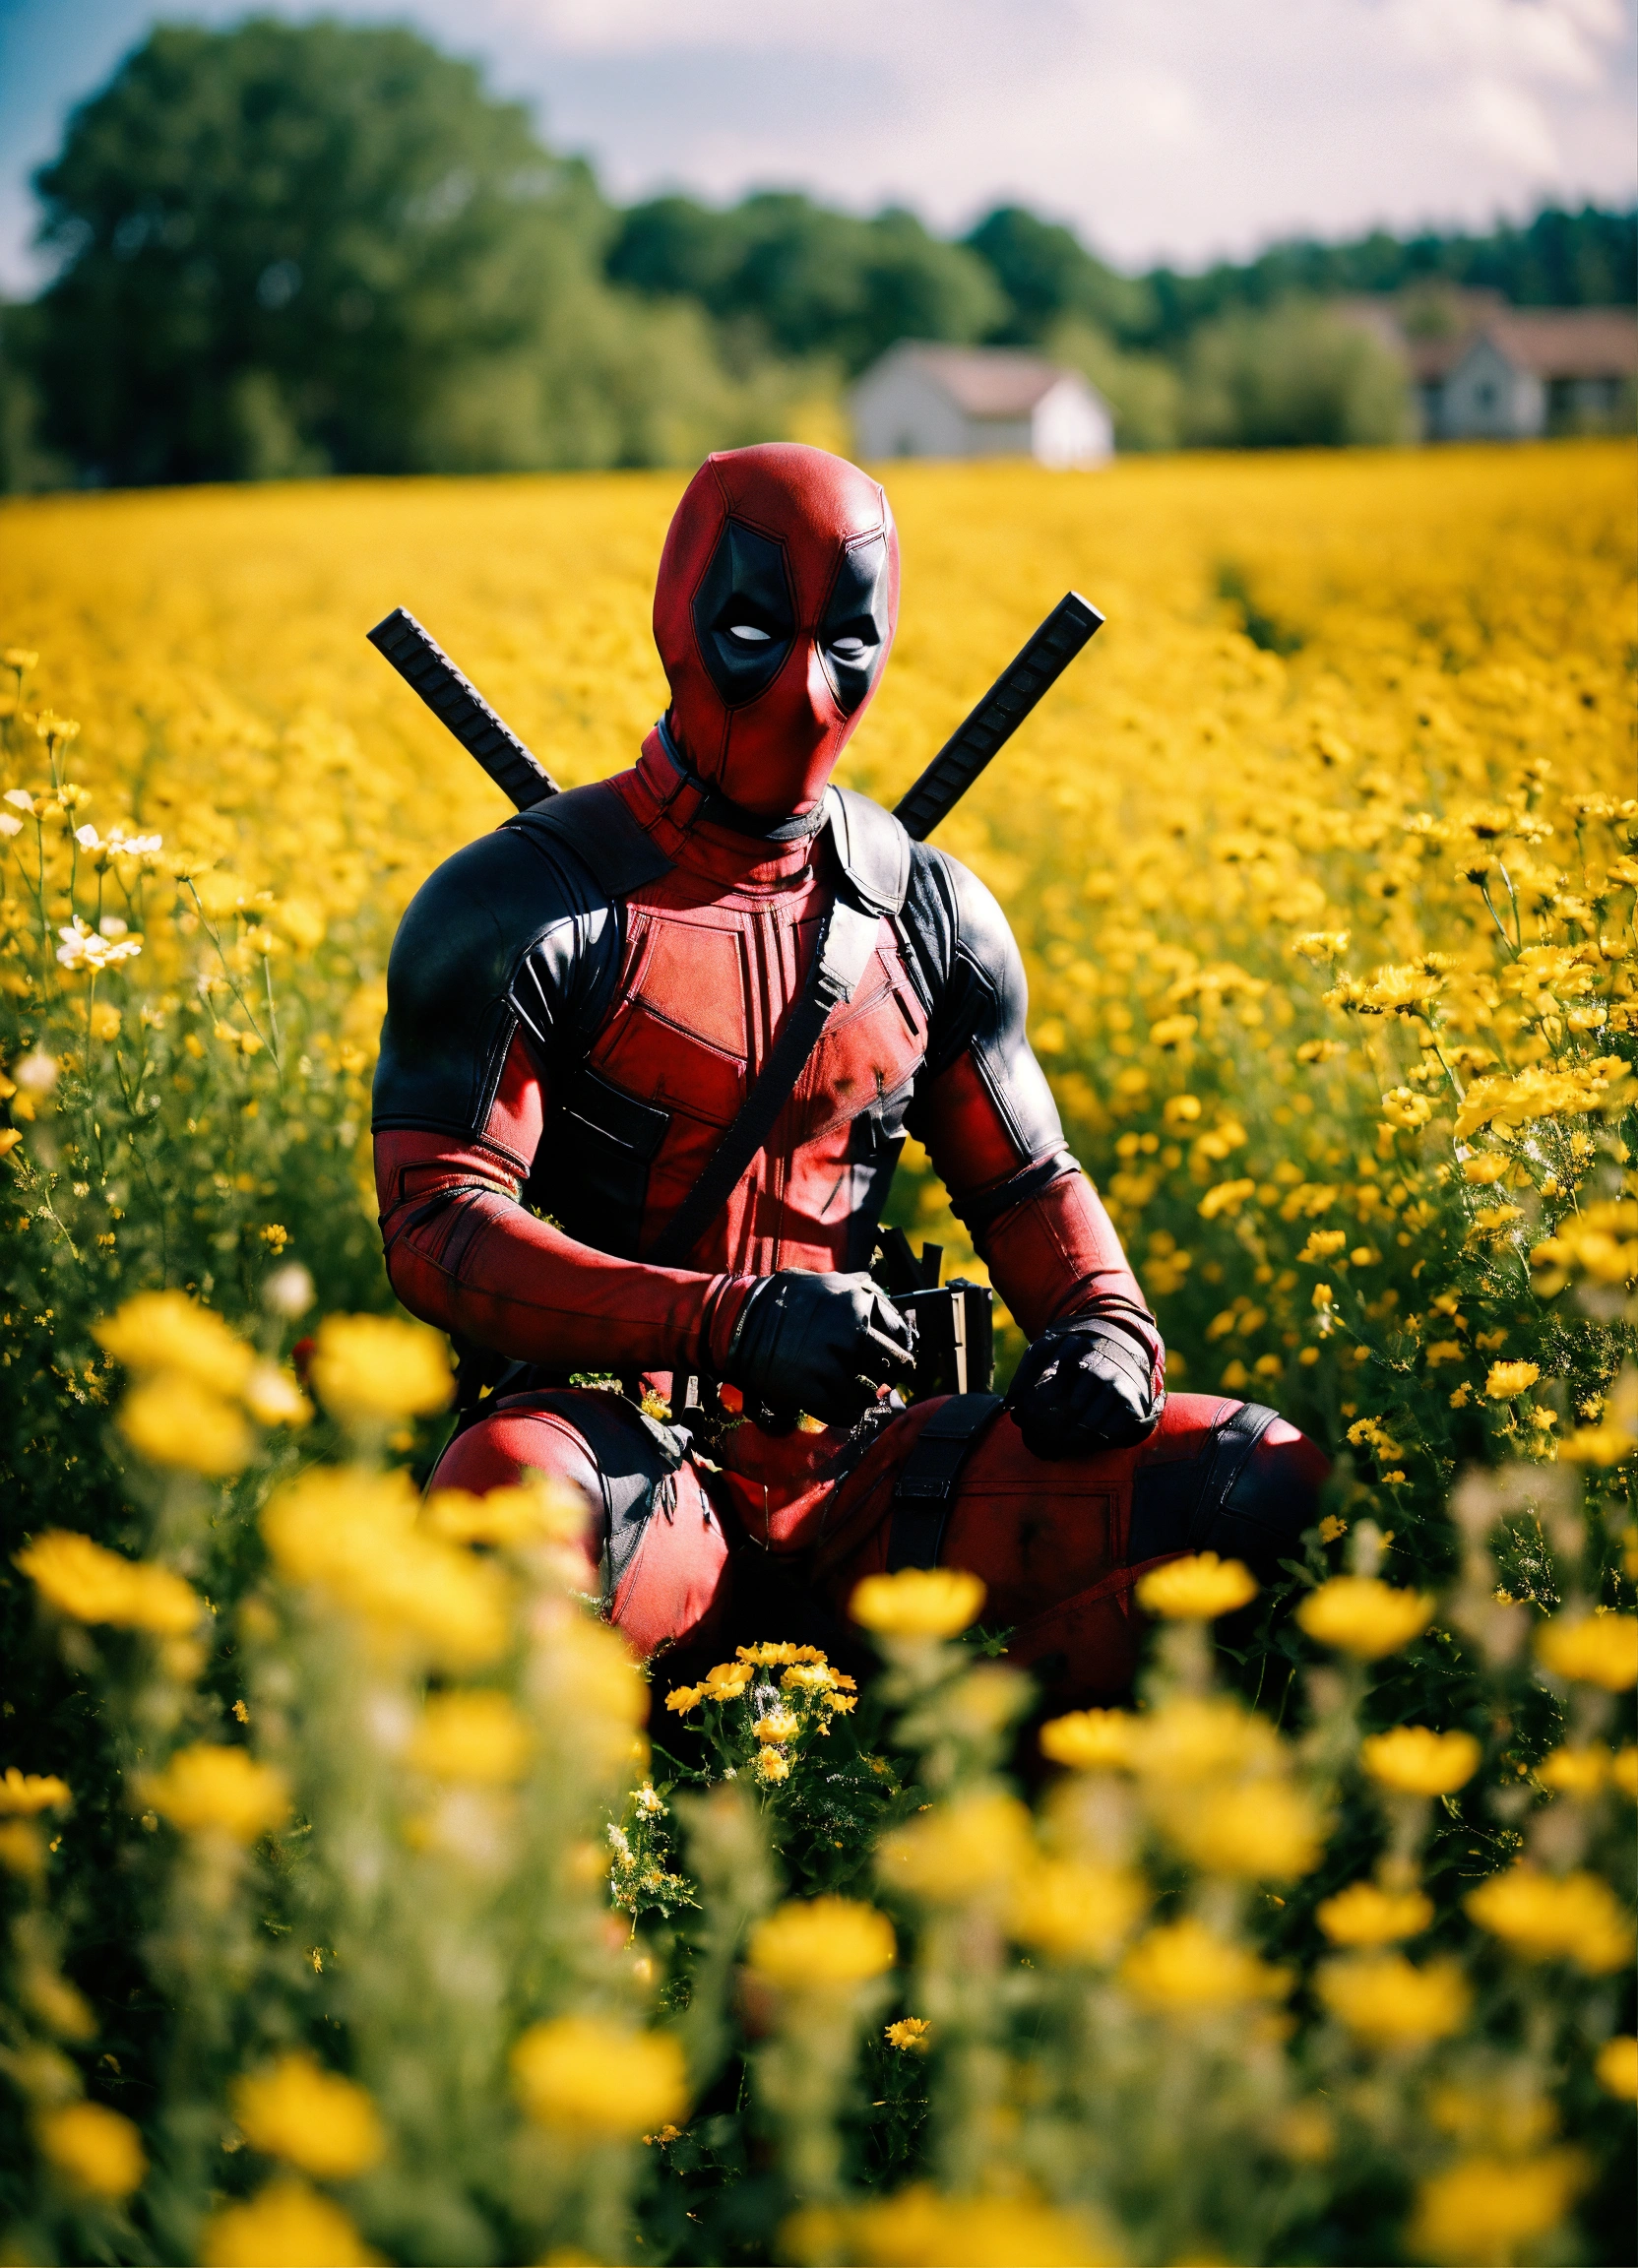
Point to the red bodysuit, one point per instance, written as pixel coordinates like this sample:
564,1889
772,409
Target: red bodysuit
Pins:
578,1006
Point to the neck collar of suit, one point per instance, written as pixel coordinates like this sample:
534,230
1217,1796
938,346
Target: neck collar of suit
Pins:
720,810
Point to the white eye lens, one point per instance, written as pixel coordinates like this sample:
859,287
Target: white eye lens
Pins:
750,632
848,649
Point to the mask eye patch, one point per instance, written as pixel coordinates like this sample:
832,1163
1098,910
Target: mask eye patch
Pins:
852,637
743,616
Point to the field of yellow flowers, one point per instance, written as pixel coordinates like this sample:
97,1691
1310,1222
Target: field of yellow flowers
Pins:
364,1901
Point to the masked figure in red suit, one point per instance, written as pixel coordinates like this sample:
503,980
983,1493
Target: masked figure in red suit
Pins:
579,1004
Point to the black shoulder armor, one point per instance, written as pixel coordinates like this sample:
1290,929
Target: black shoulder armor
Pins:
964,961
518,928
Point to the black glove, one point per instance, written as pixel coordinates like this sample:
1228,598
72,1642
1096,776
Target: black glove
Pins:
1084,1385
822,1344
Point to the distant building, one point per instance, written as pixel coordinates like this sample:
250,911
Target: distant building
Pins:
1484,370
926,400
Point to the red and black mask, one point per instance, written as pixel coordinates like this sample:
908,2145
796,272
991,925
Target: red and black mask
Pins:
773,611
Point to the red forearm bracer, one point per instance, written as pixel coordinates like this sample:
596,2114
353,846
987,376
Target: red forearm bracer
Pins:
1054,1253
464,1254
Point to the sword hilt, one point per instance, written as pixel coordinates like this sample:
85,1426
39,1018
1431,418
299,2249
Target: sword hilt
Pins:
997,716
457,703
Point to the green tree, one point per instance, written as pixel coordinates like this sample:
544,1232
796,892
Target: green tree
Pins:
1142,391
1050,277
1294,377
786,277
296,247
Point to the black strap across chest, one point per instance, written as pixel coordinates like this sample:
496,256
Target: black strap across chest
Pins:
926,1485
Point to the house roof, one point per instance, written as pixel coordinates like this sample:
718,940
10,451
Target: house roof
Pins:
985,381
1548,341
1566,342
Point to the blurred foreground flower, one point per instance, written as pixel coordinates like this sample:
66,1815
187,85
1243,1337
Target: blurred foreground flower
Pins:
1197,1589
23,1794
98,2150
168,1330
1075,1912
1618,2067
917,1602
80,1578
1417,1761
380,1367
823,1946
1362,1617
471,1736
920,2228
1364,1915
1388,2003
1263,1831
1088,1739
1593,1650
585,2077
315,2119
1556,1918
976,1844
1182,1969
287,2226
1487,2209
208,1789
169,1419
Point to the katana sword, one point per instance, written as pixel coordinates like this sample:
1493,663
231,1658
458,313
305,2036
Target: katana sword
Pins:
456,702
520,774
992,724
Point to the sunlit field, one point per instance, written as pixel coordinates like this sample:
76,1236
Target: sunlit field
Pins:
365,1901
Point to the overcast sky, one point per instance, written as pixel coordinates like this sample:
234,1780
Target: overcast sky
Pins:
1173,129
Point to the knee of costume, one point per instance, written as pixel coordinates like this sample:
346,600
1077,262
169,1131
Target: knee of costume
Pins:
656,1551
1060,1546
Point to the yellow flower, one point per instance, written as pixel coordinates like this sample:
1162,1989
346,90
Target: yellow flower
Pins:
1263,1831
352,1535
1575,1771
376,1366
1364,1617
540,1509
1183,1969
1199,1738
287,2225
1556,1918
585,2077
1623,1771
207,1789
823,1945
910,2034
1363,1915
964,1850
918,2228
728,1680
1593,1650
106,1021
1420,1762
1075,1912
1196,1589
320,2121
80,1578
171,1419
22,1848
1484,2209
30,1792
168,1330
1617,2067
917,1602
1088,1739
471,1736
98,2150
771,1766
1509,1378
1388,2003
779,1725
685,1697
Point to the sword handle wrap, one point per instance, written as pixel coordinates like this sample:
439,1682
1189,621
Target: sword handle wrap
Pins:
457,703
999,715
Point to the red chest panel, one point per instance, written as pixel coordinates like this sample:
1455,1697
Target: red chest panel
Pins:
703,993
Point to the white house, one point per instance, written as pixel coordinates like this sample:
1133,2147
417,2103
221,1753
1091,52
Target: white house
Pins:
1484,371
928,401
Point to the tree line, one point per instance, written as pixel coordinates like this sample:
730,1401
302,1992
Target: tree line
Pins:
287,249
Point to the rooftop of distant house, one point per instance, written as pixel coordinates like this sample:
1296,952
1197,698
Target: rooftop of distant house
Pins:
983,381
1435,333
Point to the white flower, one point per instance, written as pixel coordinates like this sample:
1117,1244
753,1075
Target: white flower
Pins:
10,824
36,1074
83,948
113,926
20,800
88,838
288,1291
